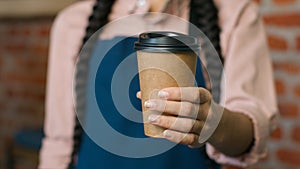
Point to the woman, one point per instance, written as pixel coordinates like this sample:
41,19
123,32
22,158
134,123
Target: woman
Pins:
250,101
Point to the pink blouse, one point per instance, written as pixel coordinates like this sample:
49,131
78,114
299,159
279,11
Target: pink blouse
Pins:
247,79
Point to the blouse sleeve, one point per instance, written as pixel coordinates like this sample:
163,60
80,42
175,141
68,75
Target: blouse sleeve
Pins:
248,84
65,40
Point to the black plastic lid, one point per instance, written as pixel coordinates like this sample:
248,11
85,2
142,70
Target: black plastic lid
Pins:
166,42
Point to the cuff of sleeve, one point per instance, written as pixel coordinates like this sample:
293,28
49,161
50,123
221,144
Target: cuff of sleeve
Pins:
261,133
55,154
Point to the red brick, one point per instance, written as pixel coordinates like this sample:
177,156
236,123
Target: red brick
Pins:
283,2
288,156
277,134
27,110
297,90
296,134
29,64
288,67
40,50
15,48
44,32
7,122
281,19
12,31
288,110
280,87
25,94
21,32
277,43
23,78
2,106
298,43
26,32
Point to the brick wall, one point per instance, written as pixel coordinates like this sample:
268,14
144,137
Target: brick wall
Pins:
23,62
282,18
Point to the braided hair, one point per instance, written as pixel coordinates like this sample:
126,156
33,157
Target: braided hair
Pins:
203,14
97,19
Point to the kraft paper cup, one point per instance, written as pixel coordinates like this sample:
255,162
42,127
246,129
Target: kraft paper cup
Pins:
165,59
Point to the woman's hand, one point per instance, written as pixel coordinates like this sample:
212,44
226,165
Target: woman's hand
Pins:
185,111
190,117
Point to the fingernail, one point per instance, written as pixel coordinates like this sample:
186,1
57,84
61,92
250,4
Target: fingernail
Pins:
137,95
167,134
150,104
163,94
153,118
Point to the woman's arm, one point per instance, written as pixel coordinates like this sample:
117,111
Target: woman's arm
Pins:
248,97
66,34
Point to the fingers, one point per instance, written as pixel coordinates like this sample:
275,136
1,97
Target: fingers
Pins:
190,104
183,138
182,109
180,124
139,94
189,94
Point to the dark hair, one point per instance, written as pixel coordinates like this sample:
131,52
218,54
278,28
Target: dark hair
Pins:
97,19
203,14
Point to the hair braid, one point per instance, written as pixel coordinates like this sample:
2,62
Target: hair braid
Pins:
204,15
97,19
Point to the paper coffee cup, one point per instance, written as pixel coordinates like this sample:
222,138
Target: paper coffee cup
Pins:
165,59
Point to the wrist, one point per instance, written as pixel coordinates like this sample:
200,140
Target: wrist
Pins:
218,136
234,134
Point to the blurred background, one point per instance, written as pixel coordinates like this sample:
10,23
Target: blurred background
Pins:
24,41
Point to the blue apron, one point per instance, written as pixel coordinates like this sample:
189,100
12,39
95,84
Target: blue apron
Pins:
92,156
